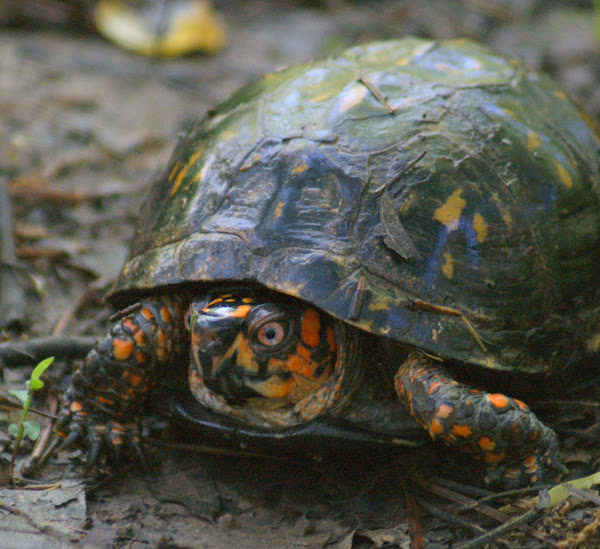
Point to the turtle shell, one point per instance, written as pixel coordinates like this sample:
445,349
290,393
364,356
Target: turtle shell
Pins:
431,192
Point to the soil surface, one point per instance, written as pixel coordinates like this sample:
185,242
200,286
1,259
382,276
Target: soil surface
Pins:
84,127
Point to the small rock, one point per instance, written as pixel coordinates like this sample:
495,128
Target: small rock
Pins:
226,522
304,526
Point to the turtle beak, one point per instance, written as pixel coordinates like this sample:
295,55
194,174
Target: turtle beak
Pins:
215,336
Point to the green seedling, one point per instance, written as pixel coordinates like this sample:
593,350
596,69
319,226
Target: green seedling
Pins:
26,426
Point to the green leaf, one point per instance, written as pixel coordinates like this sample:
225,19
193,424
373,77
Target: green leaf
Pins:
35,381
31,429
20,394
13,429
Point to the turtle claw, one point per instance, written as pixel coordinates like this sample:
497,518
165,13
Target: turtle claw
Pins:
74,436
93,453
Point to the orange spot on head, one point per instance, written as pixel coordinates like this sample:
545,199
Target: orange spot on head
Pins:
444,411
463,431
311,325
165,314
486,444
213,302
140,338
241,311
161,354
147,313
104,400
122,348
498,400
140,357
433,388
529,462
130,324
435,427
331,339
161,338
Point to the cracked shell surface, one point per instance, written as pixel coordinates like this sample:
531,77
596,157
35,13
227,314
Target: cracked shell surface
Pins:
479,193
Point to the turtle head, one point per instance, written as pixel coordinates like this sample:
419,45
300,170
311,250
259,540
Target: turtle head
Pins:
258,350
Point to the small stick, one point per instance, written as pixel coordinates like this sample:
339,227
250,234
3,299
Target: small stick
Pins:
421,305
42,442
31,351
377,93
358,299
13,307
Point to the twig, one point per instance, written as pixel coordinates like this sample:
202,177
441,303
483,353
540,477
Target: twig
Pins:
370,85
582,494
499,531
420,305
27,352
414,524
450,517
13,307
68,315
42,442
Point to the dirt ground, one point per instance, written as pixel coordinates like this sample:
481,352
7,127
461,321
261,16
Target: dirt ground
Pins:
84,127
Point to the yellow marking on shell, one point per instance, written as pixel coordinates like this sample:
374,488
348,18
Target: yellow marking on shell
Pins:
422,49
560,94
403,61
449,213
564,175
322,97
250,164
228,134
379,303
507,218
481,227
593,344
173,171
299,169
452,69
352,98
183,172
448,266
278,210
533,140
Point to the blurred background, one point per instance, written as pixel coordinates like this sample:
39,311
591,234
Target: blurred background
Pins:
94,92
92,97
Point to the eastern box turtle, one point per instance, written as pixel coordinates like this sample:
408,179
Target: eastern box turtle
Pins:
339,243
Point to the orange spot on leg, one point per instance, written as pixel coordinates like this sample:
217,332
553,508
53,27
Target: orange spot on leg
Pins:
463,431
122,348
498,400
486,444
444,411
311,325
435,427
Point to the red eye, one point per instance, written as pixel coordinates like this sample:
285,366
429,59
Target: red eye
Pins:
271,334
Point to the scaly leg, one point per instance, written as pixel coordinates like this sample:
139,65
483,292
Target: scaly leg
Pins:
116,376
503,432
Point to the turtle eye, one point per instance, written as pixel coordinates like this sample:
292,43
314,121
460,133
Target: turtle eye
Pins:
271,334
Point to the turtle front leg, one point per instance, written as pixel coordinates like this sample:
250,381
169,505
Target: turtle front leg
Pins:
106,391
503,432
